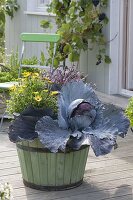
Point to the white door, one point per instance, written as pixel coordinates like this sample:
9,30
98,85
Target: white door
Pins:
129,67
127,49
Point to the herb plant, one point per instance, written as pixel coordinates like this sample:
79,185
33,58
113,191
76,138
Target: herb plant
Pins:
32,91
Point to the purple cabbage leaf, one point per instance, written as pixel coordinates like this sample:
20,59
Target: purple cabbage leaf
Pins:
23,127
51,135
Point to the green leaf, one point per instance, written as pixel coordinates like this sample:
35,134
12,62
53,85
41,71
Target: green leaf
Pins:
74,56
78,23
42,59
56,62
107,59
45,24
67,48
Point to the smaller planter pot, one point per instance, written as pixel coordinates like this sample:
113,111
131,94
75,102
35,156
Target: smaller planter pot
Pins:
44,170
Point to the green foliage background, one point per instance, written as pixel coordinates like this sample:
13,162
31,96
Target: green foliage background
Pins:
79,22
2,29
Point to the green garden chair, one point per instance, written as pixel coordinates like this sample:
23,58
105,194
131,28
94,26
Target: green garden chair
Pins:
37,37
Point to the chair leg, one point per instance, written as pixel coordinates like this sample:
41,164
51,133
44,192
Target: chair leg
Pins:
2,119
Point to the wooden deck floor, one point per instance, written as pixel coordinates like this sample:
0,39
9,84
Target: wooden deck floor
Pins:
106,178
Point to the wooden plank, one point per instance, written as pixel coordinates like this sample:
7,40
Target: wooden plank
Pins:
9,165
51,157
68,167
109,169
110,176
8,154
84,161
80,170
116,162
76,167
125,197
74,194
9,171
85,188
27,167
22,163
9,159
60,166
109,158
34,163
43,168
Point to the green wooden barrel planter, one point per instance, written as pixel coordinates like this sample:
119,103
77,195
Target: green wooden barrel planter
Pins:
44,170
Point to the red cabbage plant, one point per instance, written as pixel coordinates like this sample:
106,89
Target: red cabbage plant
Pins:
82,120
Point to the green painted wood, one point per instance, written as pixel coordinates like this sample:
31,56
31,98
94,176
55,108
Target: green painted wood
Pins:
22,164
51,157
40,37
60,161
27,160
79,177
82,163
35,162
83,158
68,167
40,144
75,166
43,166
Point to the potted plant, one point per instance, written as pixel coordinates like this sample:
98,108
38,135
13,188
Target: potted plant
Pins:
55,129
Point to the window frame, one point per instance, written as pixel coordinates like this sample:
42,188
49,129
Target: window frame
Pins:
33,8
42,7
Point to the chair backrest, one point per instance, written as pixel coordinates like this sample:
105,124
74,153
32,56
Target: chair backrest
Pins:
37,37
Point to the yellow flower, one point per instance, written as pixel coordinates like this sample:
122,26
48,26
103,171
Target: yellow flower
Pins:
46,79
49,81
35,93
35,75
54,93
13,88
21,89
45,90
24,86
26,74
38,98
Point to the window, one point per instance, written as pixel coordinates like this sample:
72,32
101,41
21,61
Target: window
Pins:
38,7
42,5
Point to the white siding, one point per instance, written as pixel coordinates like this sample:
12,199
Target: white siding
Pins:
24,23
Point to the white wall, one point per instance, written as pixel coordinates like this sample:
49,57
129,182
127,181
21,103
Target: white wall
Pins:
104,76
